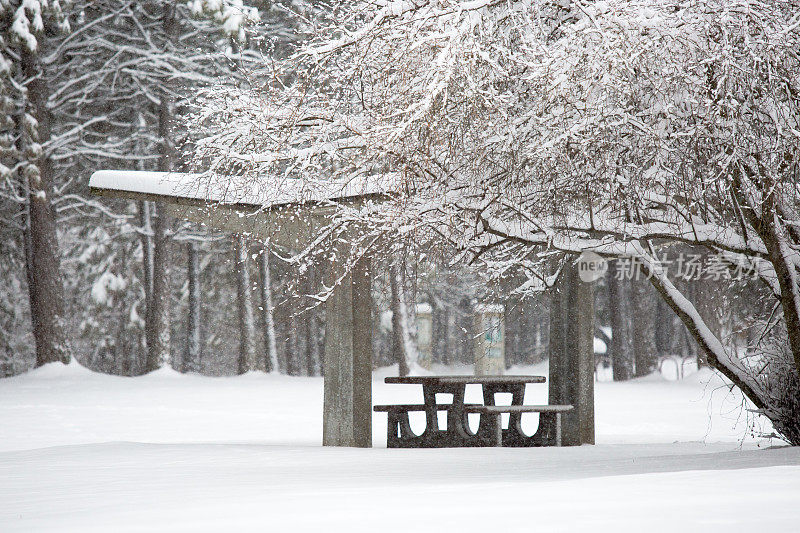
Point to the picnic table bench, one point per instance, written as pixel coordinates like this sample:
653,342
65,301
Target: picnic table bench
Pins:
458,433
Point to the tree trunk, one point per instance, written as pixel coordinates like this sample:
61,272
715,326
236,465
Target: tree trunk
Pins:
296,351
451,344
784,258
292,365
381,343
512,328
247,359
665,330
464,332
691,347
192,363
271,363
699,331
6,358
619,309
782,252
441,323
43,265
313,364
400,351
144,209
158,315
644,332
312,345
146,237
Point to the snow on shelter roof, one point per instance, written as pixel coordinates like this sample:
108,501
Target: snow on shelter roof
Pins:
265,192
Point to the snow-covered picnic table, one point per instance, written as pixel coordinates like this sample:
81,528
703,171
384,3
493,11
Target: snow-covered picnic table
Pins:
458,433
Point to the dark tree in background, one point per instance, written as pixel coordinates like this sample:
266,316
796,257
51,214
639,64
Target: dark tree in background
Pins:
192,361
643,309
620,321
27,167
244,300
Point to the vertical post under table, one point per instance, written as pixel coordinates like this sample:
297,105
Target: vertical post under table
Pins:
558,428
392,435
455,415
498,429
514,435
431,419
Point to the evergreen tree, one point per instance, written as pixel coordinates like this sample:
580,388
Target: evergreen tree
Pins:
27,167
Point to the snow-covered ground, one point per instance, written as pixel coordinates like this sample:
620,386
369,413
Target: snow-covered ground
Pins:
88,452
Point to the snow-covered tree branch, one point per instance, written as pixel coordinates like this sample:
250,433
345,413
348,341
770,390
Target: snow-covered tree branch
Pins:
615,126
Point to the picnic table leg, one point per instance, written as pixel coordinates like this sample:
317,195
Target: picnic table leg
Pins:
431,420
392,438
558,429
548,431
454,415
457,421
498,429
516,437
487,426
513,435
405,427
455,434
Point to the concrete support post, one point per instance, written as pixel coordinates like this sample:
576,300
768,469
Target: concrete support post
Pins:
572,356
347,416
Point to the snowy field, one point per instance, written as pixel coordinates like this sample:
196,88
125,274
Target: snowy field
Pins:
165,452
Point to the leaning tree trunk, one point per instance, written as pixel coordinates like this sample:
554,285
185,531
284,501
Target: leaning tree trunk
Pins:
715,352
271,362
773,223
247,330
45,289
619,310
784,256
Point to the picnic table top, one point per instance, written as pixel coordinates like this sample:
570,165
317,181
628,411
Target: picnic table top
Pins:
467,380
475,408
